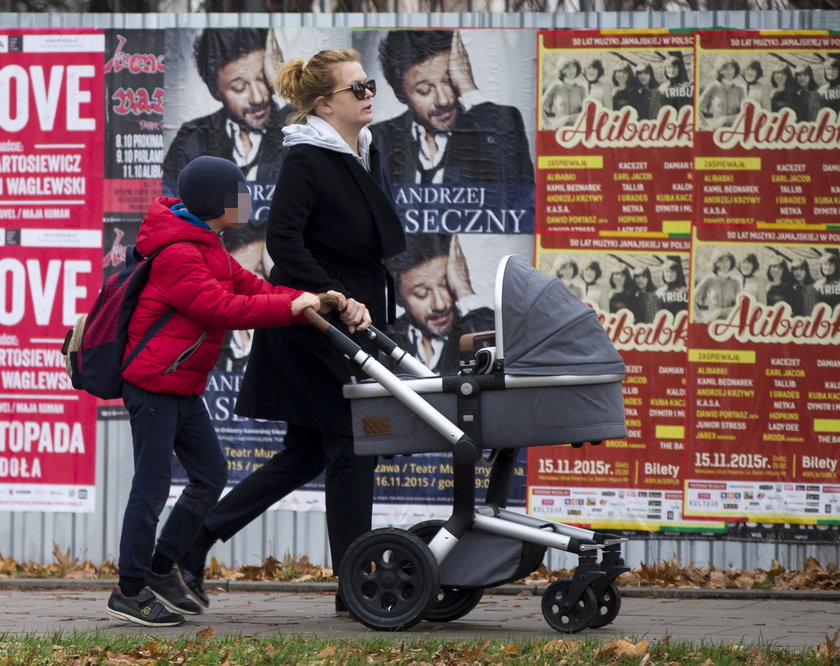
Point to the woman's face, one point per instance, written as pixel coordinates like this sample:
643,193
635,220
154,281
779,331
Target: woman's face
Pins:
669,274
589,275
569,71
621,76
592,74
750,75
566,271
746,267
776,272
723,265
832,73
672,70
618,280
727,72
779,79
641,280
798,272
827,267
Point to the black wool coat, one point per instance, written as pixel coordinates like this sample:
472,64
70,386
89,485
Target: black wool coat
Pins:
330,225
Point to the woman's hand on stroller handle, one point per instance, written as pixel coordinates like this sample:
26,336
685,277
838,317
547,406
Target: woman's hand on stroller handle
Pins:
355,316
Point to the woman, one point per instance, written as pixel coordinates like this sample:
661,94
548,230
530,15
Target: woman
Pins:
331,222
625,87
829,91
784,89
807,101
596,89
779,287
804,293
673,294
753,87
593,290
624,295
828,286
569,272
563,99
751,281
720,103
648,302
650,99
716,293
677,90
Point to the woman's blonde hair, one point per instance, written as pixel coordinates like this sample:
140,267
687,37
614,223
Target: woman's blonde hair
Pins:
302,83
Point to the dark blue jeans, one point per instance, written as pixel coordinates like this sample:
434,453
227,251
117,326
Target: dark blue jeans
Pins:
160,425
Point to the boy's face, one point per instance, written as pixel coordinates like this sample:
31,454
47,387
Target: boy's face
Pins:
237,208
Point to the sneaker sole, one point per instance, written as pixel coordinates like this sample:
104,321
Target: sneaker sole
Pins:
137,620
197,599
174,607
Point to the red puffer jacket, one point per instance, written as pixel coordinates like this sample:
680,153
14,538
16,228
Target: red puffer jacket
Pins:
211,293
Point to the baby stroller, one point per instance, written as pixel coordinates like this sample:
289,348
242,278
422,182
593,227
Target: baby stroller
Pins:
547,375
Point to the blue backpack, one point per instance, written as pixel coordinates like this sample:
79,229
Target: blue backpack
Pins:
94,347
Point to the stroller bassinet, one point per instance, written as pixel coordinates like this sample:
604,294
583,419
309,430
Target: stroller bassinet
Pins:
559,382
553,377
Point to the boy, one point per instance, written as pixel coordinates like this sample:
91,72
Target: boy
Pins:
211,293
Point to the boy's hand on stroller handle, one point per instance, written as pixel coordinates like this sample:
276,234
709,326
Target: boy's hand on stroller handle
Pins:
305,300
332,300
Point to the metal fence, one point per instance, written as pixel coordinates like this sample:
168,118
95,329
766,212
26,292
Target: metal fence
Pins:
32,536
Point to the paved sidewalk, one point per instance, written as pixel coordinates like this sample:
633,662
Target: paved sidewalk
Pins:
308,610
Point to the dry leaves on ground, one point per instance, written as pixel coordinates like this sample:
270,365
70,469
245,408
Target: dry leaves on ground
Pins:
812,576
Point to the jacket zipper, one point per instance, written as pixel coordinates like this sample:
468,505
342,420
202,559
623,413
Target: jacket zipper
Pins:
186,354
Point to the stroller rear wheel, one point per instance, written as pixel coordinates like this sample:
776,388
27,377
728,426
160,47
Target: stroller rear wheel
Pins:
565,617
451,603
389,579
608,605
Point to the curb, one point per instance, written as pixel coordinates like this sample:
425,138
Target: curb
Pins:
522,590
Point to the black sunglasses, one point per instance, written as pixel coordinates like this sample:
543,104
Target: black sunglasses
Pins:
359,89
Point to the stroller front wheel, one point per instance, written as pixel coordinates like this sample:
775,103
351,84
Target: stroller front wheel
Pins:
389,579
563,615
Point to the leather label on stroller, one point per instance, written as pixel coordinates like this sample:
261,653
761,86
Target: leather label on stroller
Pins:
376,425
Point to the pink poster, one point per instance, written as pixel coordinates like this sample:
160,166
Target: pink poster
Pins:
51,117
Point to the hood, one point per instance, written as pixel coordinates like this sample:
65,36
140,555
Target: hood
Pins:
318,132
162,227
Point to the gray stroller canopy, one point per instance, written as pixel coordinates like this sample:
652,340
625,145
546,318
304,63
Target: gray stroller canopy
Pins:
545,329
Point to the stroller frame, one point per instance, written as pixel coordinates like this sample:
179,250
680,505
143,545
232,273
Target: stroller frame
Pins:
391,578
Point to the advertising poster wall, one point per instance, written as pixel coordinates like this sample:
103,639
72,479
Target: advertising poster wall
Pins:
614,186
763,380
51,129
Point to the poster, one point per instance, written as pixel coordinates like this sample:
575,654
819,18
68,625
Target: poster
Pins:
763,369
453,124
615,186
51,128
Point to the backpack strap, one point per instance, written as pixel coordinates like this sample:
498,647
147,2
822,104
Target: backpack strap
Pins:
155,328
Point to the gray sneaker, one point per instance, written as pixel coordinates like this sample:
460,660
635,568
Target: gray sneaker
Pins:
171,589
143,609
